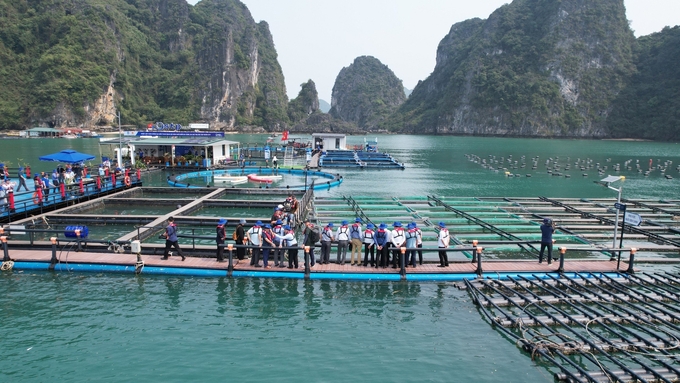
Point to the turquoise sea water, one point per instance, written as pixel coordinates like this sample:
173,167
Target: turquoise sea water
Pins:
97,327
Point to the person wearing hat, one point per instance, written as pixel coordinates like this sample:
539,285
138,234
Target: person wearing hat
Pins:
278,253
171,240
255,238
240,238
326,239
443,240
267,244
398,239
289,241
355,239
220,237
419,241
382,240
547,230
311,237
369,244
410,245
342,236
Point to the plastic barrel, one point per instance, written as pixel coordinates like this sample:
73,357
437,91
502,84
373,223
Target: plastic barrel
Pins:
69,232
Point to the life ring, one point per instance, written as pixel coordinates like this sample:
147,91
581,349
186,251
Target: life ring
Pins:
36,198
127,181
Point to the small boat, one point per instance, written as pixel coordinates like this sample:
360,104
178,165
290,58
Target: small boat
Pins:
69,136
264,179
233,180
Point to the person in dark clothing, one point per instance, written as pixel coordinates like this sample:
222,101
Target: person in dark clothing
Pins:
240,240
220,237
171,240
547,230
382,240
311,236
22,180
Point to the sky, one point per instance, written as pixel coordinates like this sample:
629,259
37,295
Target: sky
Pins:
315,39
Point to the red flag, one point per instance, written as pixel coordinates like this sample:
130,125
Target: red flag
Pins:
284,136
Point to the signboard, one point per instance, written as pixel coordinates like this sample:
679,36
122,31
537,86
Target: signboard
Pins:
199,126
179,134
620,206
633,219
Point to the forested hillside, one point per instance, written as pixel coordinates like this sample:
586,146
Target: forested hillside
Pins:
66,62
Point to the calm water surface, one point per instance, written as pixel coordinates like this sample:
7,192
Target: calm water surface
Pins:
95,327
89,327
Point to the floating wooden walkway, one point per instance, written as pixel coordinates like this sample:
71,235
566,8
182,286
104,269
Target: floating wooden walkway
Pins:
68,259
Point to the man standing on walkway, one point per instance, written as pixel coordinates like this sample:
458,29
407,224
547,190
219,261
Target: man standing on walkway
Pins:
326,239
171,240
547,230
278,254
312,235
382,241
255,239
355,237
220,237
342,236
443,240
240,238
398,239
369,244
22,180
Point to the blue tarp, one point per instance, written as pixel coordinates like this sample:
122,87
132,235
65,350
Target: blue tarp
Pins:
67,156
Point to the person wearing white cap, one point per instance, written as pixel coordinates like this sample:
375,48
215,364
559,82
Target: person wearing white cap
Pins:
220,237
342,236
443,240
255,239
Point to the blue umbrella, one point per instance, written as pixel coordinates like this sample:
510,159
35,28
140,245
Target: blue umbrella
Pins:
67,156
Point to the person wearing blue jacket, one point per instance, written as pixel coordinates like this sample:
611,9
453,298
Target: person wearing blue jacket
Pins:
382,240
547,230
171,240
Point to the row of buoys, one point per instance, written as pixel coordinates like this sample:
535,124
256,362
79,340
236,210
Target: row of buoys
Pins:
507,164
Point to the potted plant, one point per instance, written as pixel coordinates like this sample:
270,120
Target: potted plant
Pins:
181,160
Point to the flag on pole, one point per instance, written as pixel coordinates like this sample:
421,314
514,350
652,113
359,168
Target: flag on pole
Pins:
284,136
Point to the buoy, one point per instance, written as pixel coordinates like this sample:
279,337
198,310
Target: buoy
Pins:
528,175
127,181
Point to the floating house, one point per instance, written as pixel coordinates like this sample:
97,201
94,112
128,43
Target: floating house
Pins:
153,150
329,141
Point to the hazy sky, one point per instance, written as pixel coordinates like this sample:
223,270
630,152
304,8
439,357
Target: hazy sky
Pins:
315,39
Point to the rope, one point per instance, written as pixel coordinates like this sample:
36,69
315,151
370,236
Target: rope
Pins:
7,266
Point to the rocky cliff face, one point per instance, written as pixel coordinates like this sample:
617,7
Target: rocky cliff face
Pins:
534,67
79,62
366,93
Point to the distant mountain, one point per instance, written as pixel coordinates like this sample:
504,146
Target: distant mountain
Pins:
366,93
407,91
533,68
324,106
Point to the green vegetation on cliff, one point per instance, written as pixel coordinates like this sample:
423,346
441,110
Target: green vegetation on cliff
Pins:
366,93
649,107
165,59
535,67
